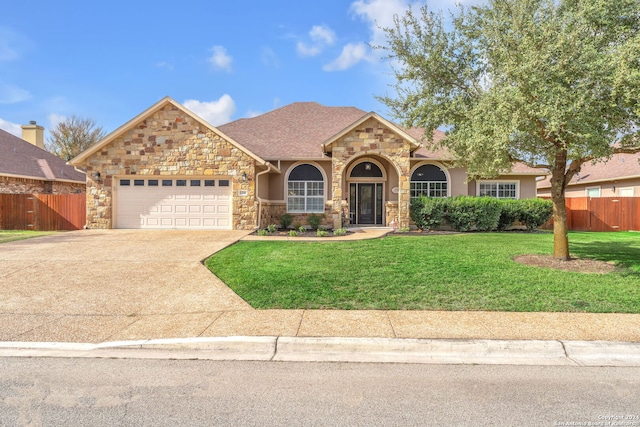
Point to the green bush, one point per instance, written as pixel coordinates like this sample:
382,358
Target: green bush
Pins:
293,233
487,213
535,212
510,213
272,228
285,221
322,233
339,231
302,229
460,213
263,232
314,221
428,212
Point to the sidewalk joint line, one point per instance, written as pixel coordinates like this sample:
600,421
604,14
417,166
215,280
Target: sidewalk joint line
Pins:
564,349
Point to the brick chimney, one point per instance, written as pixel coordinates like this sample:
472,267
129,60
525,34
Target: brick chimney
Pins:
33,133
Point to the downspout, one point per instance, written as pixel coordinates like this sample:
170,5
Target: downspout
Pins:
86,224
258,197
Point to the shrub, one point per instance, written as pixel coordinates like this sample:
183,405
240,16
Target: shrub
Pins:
293,233
322,233
263,232
510,213
404,230
535,212
428,212
302,229
487,213
285,221
460,213
314,221
272,228
466,212
339,231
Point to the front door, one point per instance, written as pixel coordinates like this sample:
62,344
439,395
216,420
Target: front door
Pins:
365,203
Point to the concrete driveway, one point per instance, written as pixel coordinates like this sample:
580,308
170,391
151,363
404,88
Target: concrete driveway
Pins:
52,285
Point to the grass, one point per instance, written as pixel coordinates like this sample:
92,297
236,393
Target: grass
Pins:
13,235
473,271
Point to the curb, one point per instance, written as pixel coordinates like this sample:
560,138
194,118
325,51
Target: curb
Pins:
363,350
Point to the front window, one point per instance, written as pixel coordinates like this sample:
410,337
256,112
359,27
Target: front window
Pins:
305,190
429,181
593,191
499,190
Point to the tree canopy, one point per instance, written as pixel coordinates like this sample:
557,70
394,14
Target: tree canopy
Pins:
549,83
72,136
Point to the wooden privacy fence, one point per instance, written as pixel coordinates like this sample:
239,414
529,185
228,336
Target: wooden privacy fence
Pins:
42,212
603,213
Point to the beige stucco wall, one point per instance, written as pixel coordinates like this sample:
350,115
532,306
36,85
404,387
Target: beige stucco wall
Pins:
169,143
606,188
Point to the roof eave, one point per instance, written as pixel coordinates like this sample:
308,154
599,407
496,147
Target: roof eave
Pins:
80,158
404,135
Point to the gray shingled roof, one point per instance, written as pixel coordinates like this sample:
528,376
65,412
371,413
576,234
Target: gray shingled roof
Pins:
619,166
19,157
295,131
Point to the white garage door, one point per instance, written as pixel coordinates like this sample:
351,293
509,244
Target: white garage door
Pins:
173,203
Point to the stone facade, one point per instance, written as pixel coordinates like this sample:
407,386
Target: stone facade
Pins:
370,139
13,185
170,143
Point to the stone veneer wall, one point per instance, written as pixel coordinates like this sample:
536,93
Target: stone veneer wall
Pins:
371,138
273,211
169,143
13,185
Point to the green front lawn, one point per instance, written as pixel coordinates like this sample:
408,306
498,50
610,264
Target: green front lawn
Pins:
473,271
12,235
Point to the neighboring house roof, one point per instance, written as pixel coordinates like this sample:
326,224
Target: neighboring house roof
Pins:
80,158
620,166
21,159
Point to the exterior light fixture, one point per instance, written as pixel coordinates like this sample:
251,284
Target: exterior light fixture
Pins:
96,176
244,176
367,166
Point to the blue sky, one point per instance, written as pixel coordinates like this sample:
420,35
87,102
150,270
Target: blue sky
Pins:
110,60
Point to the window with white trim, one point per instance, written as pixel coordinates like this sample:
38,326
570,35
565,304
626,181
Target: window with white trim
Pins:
626,192
429,181
499,190
305,190
593,191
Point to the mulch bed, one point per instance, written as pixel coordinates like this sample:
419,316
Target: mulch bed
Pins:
578,265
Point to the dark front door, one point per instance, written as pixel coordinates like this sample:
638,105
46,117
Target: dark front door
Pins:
366,203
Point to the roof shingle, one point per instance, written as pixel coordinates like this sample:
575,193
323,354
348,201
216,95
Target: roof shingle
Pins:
18,157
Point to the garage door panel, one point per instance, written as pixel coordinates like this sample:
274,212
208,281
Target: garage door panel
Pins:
172,206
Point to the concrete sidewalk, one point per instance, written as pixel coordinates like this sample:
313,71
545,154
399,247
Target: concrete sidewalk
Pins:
146,292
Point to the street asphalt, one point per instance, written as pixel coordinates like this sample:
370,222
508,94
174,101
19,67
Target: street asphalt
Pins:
146,293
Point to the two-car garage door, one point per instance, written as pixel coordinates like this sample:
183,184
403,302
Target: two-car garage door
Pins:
154,202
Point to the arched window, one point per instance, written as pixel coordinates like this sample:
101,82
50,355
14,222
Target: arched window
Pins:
305,189
366,170
430,181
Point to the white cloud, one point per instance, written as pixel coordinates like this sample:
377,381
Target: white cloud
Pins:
12,94
219,59
352,53
379,14
12,128
215,112
55,119
321,36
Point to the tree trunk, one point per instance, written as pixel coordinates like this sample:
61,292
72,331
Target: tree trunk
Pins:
560,229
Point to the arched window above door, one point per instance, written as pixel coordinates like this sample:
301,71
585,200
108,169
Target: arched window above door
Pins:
366,170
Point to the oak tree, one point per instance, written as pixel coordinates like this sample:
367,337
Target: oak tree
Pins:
550,83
